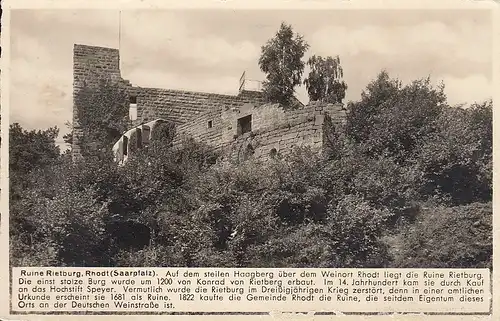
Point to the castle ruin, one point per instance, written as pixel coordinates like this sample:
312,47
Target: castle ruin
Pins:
239,126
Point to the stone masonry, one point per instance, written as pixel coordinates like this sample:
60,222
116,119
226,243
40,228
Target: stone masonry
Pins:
240,126
90,64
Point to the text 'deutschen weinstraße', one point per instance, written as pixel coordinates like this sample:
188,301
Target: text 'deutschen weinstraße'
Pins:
250,290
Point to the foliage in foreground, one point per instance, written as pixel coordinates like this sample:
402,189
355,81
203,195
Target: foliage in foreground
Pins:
408,184
445,237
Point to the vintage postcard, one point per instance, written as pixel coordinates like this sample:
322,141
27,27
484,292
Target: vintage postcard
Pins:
247,159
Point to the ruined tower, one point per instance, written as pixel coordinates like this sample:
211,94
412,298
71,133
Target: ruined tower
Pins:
90,65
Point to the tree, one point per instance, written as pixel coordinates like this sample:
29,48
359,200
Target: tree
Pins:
394,120
281,60
30,154
457,157
361,114
29,150
324,81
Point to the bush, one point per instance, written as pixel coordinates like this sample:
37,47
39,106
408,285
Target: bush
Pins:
70,227
456,158
276,214
454,237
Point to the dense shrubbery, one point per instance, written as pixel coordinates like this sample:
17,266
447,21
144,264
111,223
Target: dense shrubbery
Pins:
443,237
408,185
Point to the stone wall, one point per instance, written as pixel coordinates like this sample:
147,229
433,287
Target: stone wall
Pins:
218,127
280,140
198,128
274,130
180,106
305,127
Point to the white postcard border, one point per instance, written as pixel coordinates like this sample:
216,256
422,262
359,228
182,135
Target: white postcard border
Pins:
241,4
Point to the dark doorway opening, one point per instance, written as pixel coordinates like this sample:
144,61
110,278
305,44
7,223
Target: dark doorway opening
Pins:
244,125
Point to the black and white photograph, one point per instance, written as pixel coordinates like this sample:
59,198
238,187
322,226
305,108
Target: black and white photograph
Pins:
222,138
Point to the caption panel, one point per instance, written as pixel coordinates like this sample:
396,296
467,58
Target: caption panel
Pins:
250,290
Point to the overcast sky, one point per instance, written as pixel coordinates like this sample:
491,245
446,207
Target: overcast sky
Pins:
207,50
